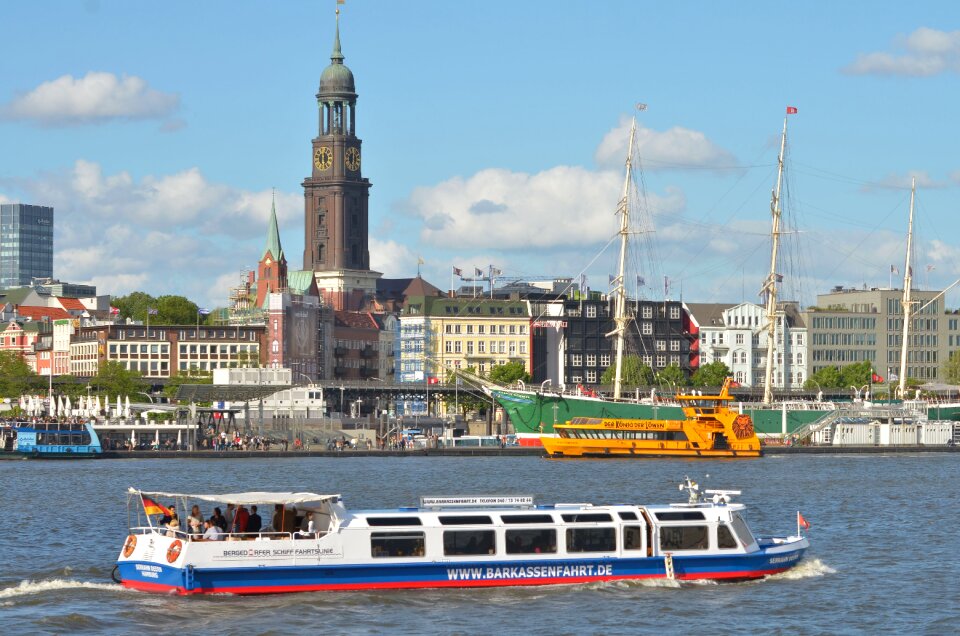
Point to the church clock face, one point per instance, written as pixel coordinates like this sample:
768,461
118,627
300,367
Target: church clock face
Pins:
353,159
323,158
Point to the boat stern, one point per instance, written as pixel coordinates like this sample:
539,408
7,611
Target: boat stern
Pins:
153,562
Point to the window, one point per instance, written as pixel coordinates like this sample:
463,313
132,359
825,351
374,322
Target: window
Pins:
481,347
674,345
591,377
591,359
591,540
448,346
661,345
576,359
647,312
739,338
591,311
469,347
393,521
604,360
674,313
463,542
632,538
533,541
661,361
683,538
396,544
725,539
465,520
647,329
691,515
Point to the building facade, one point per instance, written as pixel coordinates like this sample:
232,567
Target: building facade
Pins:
26,243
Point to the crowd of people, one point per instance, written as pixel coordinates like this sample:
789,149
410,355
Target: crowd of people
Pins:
238,522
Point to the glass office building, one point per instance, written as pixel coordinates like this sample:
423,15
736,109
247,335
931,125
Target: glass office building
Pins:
26,243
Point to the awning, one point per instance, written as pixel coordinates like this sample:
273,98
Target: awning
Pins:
246,498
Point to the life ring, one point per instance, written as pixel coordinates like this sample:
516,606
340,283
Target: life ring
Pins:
173,552
129,546
743,427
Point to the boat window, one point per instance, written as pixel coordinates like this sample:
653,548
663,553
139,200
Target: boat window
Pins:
628,515
393,521
396,544
684,538
632,537
725,539
584,517
591,540
680,515
531,541
741,529
526,518
472,520
459,542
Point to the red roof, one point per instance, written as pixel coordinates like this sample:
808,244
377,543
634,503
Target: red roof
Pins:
71,304
38,313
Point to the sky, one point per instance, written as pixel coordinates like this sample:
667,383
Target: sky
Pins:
494,133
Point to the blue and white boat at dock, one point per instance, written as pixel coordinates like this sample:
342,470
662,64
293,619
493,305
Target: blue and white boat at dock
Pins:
472,541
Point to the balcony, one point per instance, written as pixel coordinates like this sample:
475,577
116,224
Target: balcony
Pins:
368,352
339,351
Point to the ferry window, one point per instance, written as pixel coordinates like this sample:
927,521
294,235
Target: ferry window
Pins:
628,516
581,517
632,537
393,521
591,540
725,539
682,515
684,538
531,541
459,542
396,544
742,530
526,518
465,520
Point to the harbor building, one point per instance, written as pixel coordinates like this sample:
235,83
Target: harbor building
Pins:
26,243
736,334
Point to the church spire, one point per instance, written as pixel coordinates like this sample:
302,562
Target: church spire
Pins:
337,57
273,234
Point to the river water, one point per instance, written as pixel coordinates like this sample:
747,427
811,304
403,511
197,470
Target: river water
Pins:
883,554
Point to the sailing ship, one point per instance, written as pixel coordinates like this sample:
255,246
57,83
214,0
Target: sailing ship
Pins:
535,413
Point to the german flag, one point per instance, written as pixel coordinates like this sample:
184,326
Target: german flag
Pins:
151,507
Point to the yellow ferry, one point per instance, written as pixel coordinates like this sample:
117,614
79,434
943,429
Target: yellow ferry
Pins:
710,429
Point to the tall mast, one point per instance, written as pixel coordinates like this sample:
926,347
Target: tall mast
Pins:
905,301
620,294
771,285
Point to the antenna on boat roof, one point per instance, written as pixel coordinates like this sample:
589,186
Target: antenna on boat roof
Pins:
692,488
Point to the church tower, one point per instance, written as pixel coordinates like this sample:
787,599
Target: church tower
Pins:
272,268
336,193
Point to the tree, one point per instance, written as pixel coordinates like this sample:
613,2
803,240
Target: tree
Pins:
672,376
509,373
175,310
191,376
467,398
826,378
114,379
134,305
633,372
16,376
951,368
712,374
857,374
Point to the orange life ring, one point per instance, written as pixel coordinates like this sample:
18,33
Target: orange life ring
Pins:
173,552
743,427
129,546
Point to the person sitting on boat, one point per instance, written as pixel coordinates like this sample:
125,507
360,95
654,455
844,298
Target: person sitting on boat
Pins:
254,522
173,525
219,519
194,525
211,531
307,528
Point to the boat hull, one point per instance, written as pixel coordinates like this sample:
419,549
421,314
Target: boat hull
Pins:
257,579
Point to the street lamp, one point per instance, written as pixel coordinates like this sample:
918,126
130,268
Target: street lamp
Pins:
819,390
341,400
149,397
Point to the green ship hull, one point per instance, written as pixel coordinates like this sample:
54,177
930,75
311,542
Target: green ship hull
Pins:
531,412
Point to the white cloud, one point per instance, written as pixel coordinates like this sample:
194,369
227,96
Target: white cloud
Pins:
675,149
393,259
94,98
927,52
166,234
904,181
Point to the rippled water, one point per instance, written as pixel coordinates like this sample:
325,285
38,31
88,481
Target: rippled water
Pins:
883,553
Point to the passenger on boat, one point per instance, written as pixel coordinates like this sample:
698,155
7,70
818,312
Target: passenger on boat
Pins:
211,532
307,529
230,514
240,520
195,512
254,523
194,525
173,525
219,519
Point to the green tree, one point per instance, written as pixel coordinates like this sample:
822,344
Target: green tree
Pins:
826,378
951,368
856,374
633,372
672,376
175,310
191,376
509,373
712,374
134,305
16,376
114,379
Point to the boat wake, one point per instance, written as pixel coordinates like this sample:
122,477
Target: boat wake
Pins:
27,588
805,570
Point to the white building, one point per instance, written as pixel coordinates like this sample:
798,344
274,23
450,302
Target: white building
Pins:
737,336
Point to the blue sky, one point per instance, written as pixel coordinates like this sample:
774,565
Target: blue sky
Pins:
493,134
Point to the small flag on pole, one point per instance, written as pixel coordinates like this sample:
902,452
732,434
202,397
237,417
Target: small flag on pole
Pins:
202,311
801,522
151,507
115,311
477,271
894,270
152,312
458,272
876,379
791,110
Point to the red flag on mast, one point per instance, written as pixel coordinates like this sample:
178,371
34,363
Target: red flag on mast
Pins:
803,523
791,110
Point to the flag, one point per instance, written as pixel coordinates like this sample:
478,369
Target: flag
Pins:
930,268
791,110
433,380
779,278
878,379
894,270
894,377
477,271
420,260
458,272
641,281
801,522
151,507
152,312
583,282
202,311
114,310
494,271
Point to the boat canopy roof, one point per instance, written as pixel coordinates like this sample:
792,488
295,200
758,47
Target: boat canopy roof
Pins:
246,498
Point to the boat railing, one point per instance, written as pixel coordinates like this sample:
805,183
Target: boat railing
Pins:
230,536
